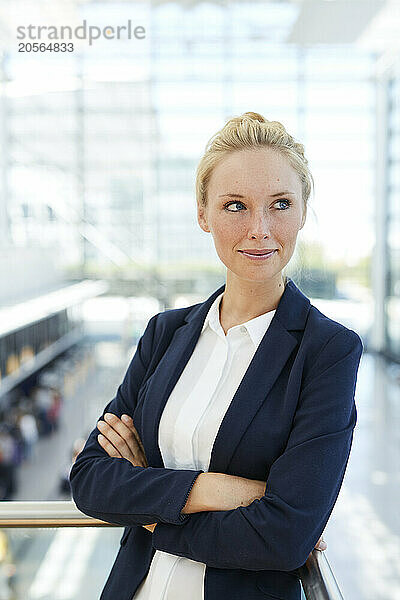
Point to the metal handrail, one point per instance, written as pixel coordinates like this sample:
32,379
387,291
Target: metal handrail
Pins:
317,578
316,574
58,513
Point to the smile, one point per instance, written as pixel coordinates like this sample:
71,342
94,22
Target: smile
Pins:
263,256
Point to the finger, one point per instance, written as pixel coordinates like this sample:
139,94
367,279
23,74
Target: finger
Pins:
129,423
112,451
129,435
127,447
128,431
108,447
115,422
120,427
127,450
321,544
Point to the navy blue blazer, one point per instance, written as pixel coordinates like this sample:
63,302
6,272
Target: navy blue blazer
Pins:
290,423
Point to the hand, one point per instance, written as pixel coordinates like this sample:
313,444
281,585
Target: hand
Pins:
321,544
120,439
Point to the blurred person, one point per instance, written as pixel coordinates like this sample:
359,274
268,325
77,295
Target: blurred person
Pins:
225,447
55,408
7,464
43,401
15,431
29,431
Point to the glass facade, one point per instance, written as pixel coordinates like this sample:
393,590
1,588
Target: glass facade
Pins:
100,146
392,306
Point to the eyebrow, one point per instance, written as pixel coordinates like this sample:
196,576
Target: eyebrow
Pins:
271,196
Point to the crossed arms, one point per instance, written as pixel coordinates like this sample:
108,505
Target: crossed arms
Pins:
280,526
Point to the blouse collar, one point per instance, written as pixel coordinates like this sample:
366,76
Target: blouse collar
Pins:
255,327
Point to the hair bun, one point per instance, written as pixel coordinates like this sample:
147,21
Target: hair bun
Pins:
254,116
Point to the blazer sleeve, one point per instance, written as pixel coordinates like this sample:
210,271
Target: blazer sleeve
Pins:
280,530
112,489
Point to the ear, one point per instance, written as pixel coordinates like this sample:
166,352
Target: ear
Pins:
202,218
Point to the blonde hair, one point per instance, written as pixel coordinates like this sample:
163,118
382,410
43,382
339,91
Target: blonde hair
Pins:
249,131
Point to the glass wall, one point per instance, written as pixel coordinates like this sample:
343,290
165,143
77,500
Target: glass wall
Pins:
392,313
102,145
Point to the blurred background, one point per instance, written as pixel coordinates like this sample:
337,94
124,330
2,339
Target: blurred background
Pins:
99,141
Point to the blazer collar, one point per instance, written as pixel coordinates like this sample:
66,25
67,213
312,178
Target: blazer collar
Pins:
272,354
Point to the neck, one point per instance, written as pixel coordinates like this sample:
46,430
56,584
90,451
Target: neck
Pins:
243,300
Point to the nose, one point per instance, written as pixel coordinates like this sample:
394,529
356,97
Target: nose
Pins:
259,227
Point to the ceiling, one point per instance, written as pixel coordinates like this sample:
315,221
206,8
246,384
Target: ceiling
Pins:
373,25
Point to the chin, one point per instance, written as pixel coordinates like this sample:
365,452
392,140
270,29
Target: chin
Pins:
257,273
261,276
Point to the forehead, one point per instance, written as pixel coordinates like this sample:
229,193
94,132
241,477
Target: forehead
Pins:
261,167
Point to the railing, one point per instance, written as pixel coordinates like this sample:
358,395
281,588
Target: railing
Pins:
317,578
46,514
316,575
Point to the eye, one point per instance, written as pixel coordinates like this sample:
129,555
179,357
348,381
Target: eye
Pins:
230,204
284,200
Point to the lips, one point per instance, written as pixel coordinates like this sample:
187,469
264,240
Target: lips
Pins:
259,252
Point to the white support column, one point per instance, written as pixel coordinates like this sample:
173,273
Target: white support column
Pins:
4,155
379,255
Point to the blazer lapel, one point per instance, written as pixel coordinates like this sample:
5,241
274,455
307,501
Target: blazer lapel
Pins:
268,361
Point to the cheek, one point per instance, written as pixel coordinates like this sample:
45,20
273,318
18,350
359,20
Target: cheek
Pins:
286,230
226,233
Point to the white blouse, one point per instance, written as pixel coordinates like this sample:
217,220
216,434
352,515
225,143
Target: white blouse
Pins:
188,427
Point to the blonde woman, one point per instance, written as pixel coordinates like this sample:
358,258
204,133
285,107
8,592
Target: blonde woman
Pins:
225,447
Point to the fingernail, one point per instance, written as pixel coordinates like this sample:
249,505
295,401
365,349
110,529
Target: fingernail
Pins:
125,418
322,545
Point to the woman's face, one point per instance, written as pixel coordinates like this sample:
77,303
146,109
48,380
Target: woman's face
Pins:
254,203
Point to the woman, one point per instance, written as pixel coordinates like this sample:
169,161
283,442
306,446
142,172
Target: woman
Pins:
224,449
